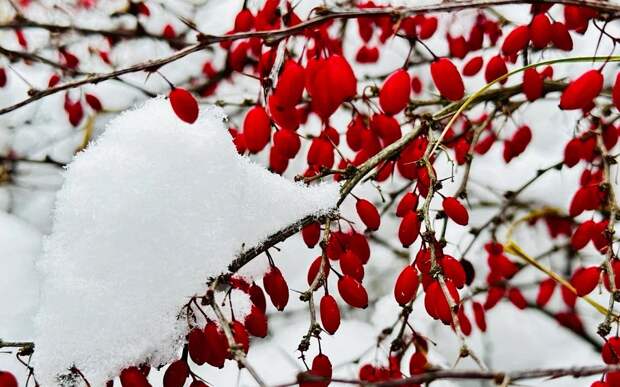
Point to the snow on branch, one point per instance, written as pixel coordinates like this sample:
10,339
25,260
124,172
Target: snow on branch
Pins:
146,214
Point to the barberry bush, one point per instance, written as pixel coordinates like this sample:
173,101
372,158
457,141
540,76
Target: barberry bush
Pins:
445,213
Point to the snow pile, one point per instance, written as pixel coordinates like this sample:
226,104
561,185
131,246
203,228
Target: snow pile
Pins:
145,215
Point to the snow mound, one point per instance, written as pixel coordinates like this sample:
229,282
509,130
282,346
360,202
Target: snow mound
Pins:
146,214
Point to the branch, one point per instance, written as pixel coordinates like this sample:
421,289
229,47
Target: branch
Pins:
496,376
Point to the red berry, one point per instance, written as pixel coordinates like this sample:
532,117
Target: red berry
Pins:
7,379
169,32
409,229
409,202
276,287
217,345
584,280
561,37
197,346
240,334
256,129
436,303
351,265
330,314
321,366
611,351
516,297
533,84
406,285
352,292
615,93
368,214
311,234
455,211
581,91
447,79
176,374
93,102
479,316
291,83
3,77
582,235
545,291
496,68
540,31
244,21
132,377
184,105
472,66
516,40
256,322
394,94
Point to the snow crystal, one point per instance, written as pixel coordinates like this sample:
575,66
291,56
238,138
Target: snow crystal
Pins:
146,214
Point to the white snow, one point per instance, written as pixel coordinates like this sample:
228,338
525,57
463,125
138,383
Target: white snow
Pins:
146,214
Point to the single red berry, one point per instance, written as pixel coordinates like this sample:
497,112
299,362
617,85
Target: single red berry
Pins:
406,285
330,314
581,91
217,345
184,105
479,316
93,102
561,37
540,31
352,292
276,287
176,374
3,77
368,214
394,94
169,32
615,93
572,152
582,235
240,334
197,346
311,234
455,211
408,203
473,66
256,129
244,21
545,291
516,40
258,297
533,84
256,322
351,265
321,366
7,379
447,79
496,68
585,279
409,229
611,351
464,322
133,377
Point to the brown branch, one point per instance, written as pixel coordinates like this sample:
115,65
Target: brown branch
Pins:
497,376
23,23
